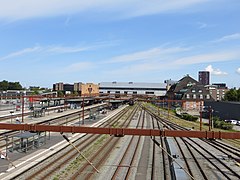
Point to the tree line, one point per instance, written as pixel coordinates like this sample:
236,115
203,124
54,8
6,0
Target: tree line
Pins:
232,95
5,85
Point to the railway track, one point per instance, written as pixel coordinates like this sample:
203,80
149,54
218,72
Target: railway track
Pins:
200,148
126,164
101,155
165,157
64,157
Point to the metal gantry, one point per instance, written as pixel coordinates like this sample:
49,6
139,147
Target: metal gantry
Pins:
121,131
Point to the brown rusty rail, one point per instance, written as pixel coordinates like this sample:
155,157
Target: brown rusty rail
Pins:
122,131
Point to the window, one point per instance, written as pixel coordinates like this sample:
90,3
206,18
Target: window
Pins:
208,96
201,96
125,92
134,92
149,92
194,96
117,92
193,90
200,90
188,96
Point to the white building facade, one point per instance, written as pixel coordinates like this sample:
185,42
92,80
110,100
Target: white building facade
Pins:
135,88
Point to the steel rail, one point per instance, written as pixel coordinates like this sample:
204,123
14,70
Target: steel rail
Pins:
108,147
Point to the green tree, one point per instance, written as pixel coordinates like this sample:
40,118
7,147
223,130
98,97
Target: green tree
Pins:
238,94
60,93
232,95
35,92
5,85
14,86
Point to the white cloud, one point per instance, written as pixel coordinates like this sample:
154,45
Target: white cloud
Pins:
21,52
81,66
230,37
209,57
55,49
160,59
202,25
64,49
15,9
149,54
213,71
238,70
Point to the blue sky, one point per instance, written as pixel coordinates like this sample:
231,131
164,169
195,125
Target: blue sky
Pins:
44,42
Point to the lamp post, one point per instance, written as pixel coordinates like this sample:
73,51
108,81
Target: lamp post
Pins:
6,139
210,118
200,115
83,111
79,118
168,108
22,108
11,112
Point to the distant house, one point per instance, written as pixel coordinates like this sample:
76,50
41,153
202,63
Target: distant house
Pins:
191,92
195,97
217,91
178,89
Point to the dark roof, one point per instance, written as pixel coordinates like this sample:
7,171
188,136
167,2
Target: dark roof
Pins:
185,83
80,99
25,135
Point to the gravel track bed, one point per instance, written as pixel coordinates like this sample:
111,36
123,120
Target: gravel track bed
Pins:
217,154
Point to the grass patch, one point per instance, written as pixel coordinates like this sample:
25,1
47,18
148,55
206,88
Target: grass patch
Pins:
76,163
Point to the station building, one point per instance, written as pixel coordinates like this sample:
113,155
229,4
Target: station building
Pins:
192,93
88,89
133,88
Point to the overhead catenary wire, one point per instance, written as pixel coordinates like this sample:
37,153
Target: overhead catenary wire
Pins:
66,138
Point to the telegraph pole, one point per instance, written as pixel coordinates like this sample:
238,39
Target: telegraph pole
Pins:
200,116
22,108
210,118
83,110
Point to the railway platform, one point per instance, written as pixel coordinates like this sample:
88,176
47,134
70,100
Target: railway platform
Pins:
56,142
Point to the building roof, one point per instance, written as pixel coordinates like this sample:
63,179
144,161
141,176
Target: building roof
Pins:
185,83
131,85
25,135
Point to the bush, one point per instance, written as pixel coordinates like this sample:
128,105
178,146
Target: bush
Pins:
227,126
218,123
189,117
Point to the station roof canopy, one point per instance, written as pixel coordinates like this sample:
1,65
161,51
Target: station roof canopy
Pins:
25,135
116,101
80,99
